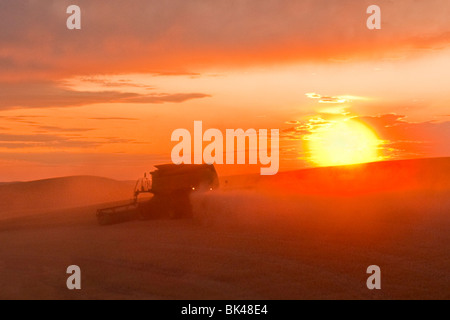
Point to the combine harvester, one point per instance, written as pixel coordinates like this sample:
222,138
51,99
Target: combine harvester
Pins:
171,186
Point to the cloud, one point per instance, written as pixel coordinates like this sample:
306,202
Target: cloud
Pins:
51,94
154,36
115,84
398,126
114,119
411,138
313,95
54,141
21,141
326,99
38,126
61,129
163,98
330,99
21,119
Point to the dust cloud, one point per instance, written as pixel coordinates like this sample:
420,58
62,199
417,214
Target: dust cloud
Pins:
366,199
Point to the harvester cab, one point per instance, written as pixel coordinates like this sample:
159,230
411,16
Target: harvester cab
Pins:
171,187
143,185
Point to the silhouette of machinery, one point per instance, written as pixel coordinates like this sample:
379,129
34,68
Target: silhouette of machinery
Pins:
170,187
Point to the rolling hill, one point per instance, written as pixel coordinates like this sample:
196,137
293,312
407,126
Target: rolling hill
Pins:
60,193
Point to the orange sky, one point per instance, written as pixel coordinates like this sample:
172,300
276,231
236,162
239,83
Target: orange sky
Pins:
104,100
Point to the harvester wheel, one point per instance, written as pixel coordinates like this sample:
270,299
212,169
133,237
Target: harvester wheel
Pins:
143,211
180,205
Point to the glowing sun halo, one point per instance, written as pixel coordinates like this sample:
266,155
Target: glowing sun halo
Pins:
343,142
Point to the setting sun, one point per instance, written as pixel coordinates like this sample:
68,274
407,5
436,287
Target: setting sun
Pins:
343,142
